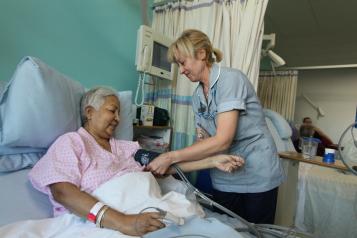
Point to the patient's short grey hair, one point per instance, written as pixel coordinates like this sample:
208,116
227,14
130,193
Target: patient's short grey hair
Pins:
95,97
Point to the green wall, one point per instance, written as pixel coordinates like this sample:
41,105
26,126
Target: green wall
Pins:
91,41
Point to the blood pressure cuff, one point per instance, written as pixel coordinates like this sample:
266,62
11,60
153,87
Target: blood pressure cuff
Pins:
144,157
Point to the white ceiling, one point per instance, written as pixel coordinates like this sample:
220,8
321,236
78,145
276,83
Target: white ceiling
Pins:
314,32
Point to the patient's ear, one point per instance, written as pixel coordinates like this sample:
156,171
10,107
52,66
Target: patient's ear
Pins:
89,112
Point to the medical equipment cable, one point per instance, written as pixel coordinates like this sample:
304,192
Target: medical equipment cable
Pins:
189,235
144,157
251,227
344,160
146,208
353,169
287,230
271,232
256,229
141,81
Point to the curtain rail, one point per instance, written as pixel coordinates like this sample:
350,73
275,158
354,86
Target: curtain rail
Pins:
321,67
158,4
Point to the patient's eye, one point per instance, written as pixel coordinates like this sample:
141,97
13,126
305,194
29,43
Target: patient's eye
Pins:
111,109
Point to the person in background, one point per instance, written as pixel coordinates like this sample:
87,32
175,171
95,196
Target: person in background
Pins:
317,132
79,162
228,119
295,135
308,129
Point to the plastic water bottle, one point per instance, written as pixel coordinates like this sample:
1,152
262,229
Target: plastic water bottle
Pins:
309,147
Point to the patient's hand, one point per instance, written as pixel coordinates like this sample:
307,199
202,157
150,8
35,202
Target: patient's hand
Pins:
140,224
227,163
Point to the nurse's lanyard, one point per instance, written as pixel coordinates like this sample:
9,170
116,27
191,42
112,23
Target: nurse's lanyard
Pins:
219,72
202,109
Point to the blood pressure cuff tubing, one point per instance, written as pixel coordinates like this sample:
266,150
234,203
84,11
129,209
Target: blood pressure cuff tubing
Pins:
144,157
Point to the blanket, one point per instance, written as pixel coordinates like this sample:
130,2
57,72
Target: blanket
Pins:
129,194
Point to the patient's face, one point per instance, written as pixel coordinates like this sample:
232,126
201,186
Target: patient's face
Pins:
104,121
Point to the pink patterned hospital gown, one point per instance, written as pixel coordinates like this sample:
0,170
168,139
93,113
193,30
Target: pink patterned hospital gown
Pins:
77,158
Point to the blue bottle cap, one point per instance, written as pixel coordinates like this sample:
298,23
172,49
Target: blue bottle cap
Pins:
329,158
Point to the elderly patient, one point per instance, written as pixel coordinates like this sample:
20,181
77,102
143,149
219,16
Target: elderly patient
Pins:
79,162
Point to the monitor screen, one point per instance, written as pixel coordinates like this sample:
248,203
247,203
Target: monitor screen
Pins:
159,57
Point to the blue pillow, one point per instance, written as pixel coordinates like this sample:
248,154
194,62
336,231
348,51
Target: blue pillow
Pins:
2,86
14,162
19,150
16,158
38,105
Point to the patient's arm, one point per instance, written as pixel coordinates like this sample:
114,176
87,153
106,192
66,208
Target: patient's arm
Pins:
80,203
226,163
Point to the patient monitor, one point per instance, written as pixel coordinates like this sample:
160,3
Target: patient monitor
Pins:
151,58
151,53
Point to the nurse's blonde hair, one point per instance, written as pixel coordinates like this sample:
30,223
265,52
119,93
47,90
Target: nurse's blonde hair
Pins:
189,43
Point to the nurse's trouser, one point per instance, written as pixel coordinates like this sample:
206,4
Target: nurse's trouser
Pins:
254,207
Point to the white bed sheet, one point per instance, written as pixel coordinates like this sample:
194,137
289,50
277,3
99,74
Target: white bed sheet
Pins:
40,225
129,193
327,204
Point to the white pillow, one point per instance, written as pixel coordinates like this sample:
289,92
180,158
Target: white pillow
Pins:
125,129
38,105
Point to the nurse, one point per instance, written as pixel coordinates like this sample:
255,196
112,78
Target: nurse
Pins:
229,119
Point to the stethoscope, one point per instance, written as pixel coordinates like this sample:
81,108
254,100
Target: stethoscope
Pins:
202,108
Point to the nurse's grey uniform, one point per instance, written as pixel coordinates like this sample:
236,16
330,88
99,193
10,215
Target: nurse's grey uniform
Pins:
231,90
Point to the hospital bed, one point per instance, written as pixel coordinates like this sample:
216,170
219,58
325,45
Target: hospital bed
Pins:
47,105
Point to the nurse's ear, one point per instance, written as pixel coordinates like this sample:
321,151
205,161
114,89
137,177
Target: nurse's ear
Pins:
201,54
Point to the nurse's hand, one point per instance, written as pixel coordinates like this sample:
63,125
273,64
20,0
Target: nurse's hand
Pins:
160,164
227,163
